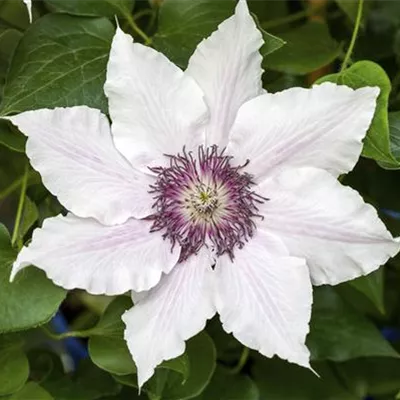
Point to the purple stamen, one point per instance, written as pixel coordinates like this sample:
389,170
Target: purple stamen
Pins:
204,201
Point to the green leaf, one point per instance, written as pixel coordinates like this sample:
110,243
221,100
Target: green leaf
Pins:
307,48
394,133
371,376
106,8
9,38
372,287
168,385
184,24
127,394
60,61
108,348
44,365
88,383
279,380
339,333
29,216
31,391
14,14
14,368
271,43
225,386
202,359
376,143
11,138
31,299
228,348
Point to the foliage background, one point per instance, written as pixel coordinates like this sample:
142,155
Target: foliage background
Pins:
60,60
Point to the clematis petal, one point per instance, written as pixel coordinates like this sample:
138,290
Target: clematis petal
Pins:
154,107
28,4
320,127
264,298
328,224
84,254
227,66
172,312
73,150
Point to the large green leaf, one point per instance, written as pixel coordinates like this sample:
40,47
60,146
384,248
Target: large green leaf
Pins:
127,393
31,299
279,380
183,24
108,349
372,287
87,383
107,346
106,8
14,367
340,333
367,73
9,38
394,132
225,386
31,391
202,360
371,376
307,48
168,385
60,61
10,137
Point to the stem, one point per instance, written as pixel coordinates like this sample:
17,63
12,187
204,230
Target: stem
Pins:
8,190
20,205
292,17
142,13
132,23
242,361
354,36
61,336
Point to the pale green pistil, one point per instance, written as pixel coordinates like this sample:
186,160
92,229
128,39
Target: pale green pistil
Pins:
204,200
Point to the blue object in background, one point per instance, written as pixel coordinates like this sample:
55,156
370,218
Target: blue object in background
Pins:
391,213
74,347
391,334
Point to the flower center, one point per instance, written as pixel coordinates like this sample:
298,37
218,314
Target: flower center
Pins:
204,201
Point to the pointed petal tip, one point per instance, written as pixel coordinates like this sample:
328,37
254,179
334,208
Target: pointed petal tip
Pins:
242,6
17,266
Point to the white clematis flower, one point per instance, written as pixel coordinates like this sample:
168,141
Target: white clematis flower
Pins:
240,217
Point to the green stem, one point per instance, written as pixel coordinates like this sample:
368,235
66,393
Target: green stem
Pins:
132,23
61,336
242,361
354,35
20,205
143,13
288,19
291,18
8,190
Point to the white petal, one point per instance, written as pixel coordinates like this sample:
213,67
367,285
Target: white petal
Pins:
328,224
172,312
73,150
227,66
28,4
155,109
264,298
82,253
319,127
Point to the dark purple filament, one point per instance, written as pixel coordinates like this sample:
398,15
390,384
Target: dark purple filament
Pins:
204,201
